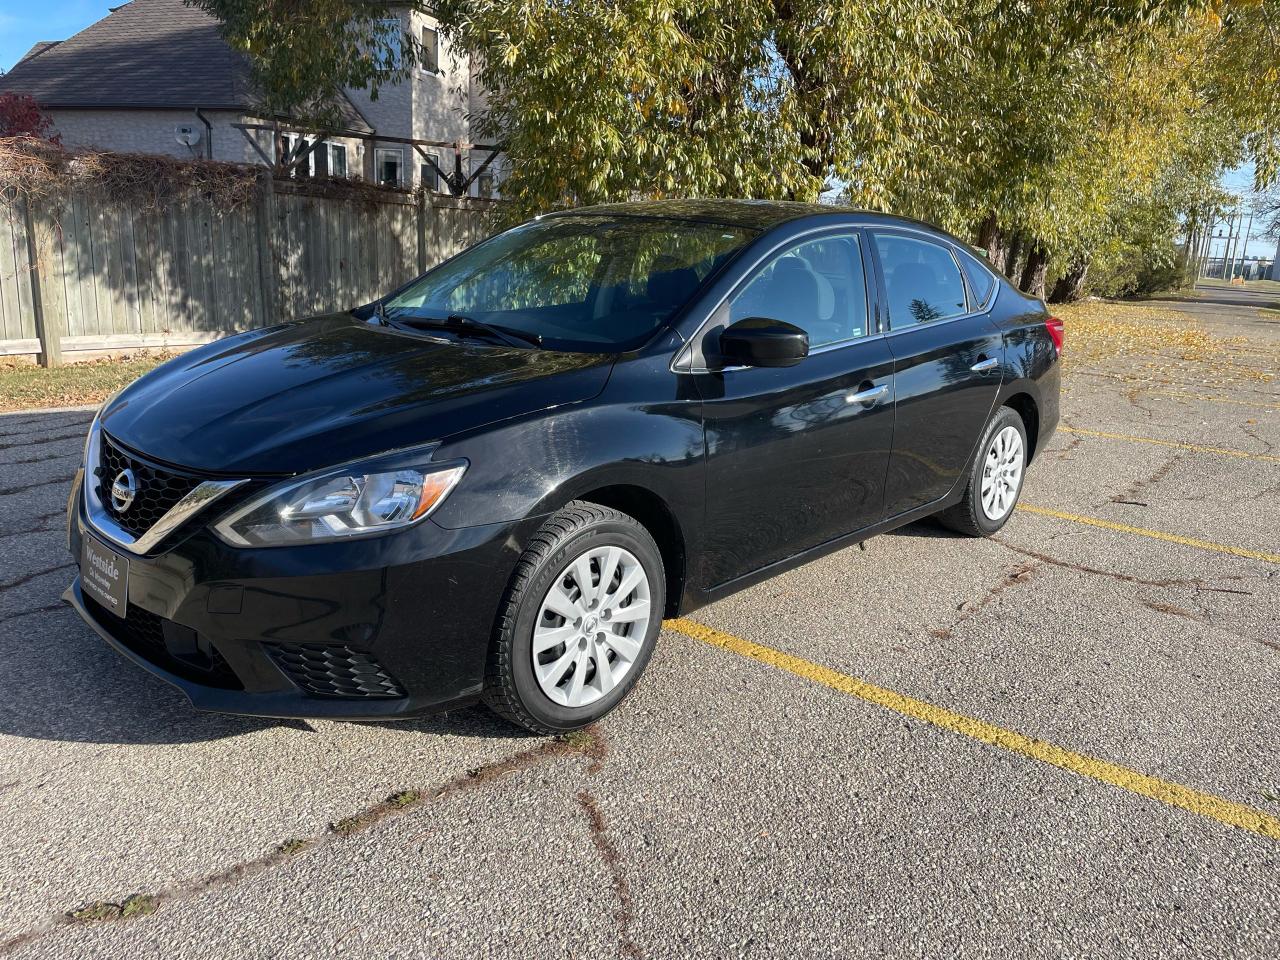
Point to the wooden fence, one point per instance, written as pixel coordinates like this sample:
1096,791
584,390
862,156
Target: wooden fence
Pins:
85,274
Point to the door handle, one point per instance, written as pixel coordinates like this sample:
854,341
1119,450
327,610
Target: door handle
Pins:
986,365
870,395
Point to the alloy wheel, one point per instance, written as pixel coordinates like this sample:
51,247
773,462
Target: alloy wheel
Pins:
591,626
1002,473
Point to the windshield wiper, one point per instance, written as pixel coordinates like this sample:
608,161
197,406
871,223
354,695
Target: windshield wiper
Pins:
469,325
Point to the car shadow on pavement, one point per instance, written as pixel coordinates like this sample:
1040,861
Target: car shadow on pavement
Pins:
64,684
926,529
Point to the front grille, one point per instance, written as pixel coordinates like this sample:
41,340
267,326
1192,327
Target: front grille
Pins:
158,488
143,632
333,670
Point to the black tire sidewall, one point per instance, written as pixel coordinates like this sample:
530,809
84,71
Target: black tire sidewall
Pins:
1004,417
629,535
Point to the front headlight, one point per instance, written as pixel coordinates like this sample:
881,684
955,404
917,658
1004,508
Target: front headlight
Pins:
352,501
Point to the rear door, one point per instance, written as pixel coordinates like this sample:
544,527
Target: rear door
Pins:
796,456
948,365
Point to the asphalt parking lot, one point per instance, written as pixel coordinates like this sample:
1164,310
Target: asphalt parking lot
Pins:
1061,742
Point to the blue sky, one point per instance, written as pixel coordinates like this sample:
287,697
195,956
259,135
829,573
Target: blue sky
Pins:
23,22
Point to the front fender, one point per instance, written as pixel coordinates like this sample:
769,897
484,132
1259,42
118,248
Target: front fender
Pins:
535,465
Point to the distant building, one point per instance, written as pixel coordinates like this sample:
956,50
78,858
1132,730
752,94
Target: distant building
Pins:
1275,264
156,76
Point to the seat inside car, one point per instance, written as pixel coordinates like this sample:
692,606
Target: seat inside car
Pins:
671,284
807,299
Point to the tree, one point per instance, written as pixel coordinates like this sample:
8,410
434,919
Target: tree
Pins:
21,116
604,100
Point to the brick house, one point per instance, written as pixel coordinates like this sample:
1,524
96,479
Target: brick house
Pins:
155,76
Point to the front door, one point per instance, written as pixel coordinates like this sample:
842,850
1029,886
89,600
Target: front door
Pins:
948,363
797,456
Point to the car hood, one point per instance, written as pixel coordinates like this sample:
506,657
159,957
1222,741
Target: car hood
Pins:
318,392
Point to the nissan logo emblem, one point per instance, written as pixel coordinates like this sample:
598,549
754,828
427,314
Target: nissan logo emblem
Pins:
123,489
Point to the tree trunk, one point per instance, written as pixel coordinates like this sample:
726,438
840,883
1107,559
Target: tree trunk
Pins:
1012,256
989,237
1033,273
1070,285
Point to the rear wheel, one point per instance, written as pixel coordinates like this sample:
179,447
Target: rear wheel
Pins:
579,621
995,480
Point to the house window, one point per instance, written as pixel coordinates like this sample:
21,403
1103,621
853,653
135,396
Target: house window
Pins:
337,159
292,144
430,178
392,35
430,50
389,165
485,183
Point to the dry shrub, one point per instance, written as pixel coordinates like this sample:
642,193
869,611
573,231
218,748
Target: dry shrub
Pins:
36,169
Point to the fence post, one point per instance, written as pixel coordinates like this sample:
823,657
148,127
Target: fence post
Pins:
422,230
47,332
266,261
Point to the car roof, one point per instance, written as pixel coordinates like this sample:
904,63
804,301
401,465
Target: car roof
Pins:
752,214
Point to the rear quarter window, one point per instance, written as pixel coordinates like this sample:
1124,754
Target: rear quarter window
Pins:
981,282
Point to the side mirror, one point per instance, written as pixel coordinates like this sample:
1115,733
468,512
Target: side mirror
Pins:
761,342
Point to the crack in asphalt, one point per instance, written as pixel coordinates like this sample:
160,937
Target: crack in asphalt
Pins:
47,608
1014,576
1196,584
35,574
1135,488
588,743
13,491
608,850
43,459
41,427
40,520
78,435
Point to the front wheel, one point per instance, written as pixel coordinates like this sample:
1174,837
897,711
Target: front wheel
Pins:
995,480
579,621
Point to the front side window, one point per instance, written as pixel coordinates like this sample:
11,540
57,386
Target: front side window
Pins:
600,284
922,281
818,285
390,166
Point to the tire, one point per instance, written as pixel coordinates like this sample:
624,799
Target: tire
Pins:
970,516
521,685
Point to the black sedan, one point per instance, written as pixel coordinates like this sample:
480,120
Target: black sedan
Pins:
493,483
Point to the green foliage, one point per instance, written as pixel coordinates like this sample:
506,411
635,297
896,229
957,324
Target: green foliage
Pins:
604,100
1075,128
305,54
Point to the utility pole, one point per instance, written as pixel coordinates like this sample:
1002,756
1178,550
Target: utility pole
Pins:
1211,217
1233,244
1244,247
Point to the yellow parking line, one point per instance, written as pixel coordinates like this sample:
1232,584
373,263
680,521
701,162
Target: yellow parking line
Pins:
1181,445
1154,534
1204,396
1206,804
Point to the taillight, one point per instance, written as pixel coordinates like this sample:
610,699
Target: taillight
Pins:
1054,326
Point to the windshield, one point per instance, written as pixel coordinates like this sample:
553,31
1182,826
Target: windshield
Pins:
589,283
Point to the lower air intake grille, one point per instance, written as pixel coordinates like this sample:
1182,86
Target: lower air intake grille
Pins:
143,632
333,670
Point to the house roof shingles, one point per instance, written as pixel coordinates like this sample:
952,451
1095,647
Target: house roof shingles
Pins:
144,54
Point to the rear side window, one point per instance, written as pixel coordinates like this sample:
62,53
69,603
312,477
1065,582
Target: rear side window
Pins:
922,280
981,282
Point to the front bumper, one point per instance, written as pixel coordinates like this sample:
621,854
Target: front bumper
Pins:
383,628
